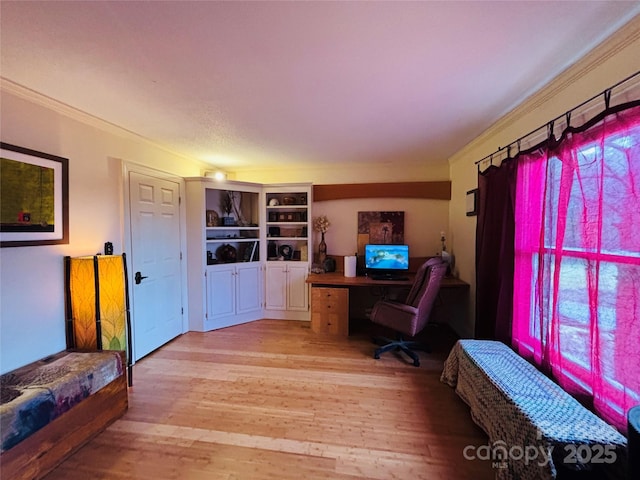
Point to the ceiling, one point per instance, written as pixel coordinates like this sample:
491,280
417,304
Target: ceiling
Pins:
288,84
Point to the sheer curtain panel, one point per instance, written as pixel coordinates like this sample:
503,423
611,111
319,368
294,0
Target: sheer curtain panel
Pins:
576,303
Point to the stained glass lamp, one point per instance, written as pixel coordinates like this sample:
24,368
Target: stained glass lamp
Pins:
97,302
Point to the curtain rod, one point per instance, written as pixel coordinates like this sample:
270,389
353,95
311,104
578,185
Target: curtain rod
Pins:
607,96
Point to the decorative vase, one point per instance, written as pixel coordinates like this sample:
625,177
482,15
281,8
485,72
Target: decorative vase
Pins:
322,250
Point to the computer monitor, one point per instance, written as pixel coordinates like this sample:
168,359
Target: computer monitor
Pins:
386,260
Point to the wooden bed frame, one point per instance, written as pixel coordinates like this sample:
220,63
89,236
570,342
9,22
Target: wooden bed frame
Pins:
44,450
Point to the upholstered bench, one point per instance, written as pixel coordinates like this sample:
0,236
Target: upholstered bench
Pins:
535,428
51,407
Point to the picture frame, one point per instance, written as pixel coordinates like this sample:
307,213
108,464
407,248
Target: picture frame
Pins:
379,228
472,203
34,197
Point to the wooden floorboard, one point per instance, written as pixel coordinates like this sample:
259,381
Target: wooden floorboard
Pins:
272,400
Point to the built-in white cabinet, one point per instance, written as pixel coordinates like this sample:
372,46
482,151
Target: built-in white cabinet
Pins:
248,252
286,288
288,250
234,293
225,270
287,223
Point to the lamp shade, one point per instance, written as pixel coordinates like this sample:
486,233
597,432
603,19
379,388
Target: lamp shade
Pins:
97,303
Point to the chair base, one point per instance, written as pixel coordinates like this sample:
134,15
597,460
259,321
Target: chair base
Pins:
406,346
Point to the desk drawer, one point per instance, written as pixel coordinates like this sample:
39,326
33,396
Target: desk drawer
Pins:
330,310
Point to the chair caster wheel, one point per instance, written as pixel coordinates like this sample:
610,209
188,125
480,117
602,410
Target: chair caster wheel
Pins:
416,363
376,356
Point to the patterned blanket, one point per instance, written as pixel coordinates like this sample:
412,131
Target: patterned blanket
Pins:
534,426
34,395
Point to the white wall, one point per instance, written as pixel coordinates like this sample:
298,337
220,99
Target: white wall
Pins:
31,278
613,61
334,173
424,219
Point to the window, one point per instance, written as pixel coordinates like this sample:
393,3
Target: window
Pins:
577,262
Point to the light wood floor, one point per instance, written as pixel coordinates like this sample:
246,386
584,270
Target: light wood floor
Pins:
272,400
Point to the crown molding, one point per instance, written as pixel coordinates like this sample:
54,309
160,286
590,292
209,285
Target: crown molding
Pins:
81,116
85,118
609,48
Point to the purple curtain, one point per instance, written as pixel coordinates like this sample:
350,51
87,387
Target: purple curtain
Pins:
495,251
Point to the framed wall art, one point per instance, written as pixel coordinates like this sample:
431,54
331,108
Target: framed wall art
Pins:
34,197
380,228
471,203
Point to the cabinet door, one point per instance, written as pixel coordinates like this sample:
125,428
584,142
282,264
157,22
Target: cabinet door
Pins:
248,287
297,288
220,291
276,286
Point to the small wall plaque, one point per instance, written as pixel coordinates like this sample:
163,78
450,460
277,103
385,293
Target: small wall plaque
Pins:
472,203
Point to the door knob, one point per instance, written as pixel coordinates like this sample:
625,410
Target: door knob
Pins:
138,278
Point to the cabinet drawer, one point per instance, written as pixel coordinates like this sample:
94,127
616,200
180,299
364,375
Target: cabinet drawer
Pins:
330,310
324,298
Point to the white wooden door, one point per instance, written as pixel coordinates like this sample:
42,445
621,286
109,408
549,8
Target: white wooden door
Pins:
156,289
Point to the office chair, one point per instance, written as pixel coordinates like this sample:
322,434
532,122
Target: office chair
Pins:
410,317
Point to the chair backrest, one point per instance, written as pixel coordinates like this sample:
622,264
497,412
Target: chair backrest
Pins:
425,289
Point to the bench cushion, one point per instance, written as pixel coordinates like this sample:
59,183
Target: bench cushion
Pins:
34,395
516,405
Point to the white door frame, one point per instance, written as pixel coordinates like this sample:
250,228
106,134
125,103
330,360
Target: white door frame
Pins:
127,168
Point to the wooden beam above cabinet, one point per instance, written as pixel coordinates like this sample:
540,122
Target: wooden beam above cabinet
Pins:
432,190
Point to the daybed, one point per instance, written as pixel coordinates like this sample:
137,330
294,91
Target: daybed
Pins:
51,407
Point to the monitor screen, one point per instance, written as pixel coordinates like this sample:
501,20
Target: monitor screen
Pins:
386,257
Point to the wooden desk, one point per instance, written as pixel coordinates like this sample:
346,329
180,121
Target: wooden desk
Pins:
330,297
337,279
